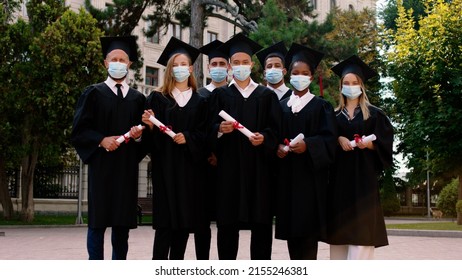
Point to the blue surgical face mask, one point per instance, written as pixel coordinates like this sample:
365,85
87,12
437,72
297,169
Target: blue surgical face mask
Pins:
300,82
241,72
218,74
351,92
274,75
181,73
117,70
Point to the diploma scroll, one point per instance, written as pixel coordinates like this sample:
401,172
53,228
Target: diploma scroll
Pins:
236,124
162,127
365,140
126,137
294,141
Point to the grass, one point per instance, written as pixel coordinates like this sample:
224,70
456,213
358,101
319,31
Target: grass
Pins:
427,226
54,219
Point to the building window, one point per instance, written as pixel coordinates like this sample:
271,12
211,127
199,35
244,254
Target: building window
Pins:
333,4
314,4
176,30
211,36
155,34
152,76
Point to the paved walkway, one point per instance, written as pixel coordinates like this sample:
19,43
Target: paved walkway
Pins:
68,243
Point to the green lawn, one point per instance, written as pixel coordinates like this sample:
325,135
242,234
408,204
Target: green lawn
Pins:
427,226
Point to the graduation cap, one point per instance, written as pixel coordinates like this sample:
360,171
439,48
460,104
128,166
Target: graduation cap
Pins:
125,43
354,65
175,46
240,43
276,50
212,51
298,52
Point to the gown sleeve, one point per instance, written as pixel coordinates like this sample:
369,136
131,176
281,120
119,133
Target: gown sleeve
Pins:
84,137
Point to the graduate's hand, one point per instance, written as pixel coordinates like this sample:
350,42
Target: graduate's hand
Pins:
212,159
145,118
345,143
298,148
257,139
179,138
110,143
280,152
226,127
362,145
136,132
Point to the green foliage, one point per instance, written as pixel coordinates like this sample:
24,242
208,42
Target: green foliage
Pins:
426,65
388,196
459,206
447,199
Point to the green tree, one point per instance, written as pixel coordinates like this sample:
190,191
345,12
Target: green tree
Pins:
447,199
426,66
52,57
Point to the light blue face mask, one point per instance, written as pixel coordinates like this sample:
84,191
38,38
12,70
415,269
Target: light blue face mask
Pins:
351,92
300,82
218,74
181,73
274,75
241,72
117,70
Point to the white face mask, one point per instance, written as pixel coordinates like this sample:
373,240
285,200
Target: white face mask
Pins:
300,82
351,92
181,73
241,72
274,75
117,70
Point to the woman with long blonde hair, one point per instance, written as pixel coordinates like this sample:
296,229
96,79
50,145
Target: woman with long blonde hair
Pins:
178,208
355,219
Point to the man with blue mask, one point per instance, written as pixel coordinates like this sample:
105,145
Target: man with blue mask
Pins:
243,187
217,67
273,63
104,112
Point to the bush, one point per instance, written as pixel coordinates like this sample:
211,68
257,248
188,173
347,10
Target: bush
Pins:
389,198
448,198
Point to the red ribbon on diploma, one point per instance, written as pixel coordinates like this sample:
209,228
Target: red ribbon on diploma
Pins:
286,142
237,125
164,128
126,139
357,138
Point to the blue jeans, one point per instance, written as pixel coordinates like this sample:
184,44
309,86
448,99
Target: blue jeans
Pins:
119,240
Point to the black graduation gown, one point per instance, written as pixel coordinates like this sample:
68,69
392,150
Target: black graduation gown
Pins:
178,198
303,177
112,176
243,189
355,214
287,94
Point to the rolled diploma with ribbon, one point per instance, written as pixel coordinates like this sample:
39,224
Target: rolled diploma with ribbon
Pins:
366,139
126,136
294,141
236,124
162,127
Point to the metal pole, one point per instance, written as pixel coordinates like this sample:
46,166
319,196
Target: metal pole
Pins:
429,214
79,219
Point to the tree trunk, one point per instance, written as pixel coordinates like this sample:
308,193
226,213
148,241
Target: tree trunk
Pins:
5,198
459,214
27,184
196,37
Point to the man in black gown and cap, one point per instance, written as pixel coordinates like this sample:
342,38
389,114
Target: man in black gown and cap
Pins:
104,112
243,189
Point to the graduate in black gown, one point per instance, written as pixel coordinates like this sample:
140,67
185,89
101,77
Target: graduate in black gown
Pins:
178,197
274,69
104,112
218,71
356,222
303,169
243,189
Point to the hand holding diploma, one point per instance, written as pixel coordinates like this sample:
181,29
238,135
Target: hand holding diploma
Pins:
126,137
236,124
364,140
294,141
163,128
